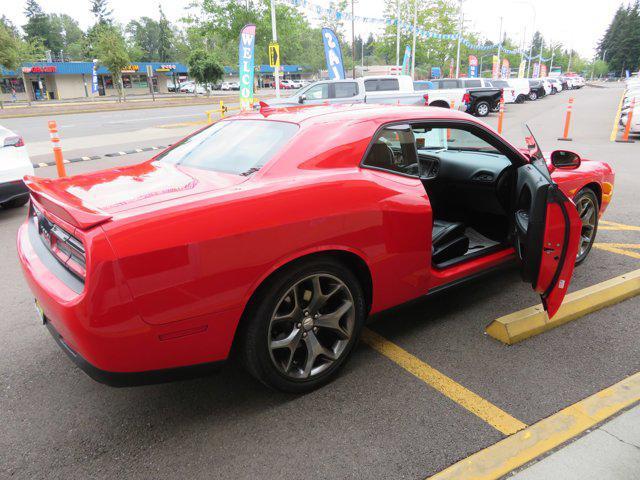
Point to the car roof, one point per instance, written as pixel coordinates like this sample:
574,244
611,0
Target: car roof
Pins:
302,115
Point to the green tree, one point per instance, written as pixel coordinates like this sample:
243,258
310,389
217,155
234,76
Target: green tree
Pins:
144,35
100,10
204,68
112,53
620,45
165,37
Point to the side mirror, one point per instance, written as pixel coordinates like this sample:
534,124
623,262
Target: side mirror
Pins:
565,159
302,98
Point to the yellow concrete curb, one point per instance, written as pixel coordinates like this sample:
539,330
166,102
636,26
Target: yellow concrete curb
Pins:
531,321
526,445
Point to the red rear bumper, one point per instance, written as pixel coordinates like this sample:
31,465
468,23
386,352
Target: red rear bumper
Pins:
102,333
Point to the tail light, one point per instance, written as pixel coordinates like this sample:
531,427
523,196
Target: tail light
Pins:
14,141
67,249
466,98
426,98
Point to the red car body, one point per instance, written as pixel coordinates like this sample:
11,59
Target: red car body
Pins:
173,254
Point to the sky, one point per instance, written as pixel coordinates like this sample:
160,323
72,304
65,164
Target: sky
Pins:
577,24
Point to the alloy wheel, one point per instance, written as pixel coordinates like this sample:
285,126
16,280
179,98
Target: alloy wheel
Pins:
311,326
483,109
588,216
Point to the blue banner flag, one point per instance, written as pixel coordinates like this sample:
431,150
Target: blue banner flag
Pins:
246,70
94,78
405,60
333,54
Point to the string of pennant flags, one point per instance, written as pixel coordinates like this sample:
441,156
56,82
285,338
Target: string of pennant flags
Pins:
406,27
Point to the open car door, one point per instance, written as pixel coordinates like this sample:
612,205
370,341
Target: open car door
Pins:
547,230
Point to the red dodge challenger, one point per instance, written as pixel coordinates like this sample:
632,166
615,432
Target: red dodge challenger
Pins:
275,233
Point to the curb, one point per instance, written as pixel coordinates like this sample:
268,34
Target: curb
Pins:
546,435
518,326
97,157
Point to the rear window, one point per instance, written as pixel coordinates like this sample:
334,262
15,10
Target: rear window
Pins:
473,83
236,146
446,84
499,84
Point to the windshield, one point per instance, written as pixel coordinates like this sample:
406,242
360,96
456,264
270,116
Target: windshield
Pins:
237,146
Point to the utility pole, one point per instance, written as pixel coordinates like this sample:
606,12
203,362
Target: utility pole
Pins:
353,40
460,23
413,50
524,36
397,33
500,50
552,51
274,34
570,56
540,57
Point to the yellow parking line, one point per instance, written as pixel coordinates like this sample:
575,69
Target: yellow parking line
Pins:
621,248
606,225
494,416
616,120
526,445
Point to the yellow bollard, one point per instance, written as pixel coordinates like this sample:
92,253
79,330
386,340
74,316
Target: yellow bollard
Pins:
222,109
57,149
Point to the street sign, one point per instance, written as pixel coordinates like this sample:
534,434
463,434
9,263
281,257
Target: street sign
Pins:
274,55
149,71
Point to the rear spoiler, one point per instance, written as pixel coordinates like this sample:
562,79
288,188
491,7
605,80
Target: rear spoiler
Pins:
76,215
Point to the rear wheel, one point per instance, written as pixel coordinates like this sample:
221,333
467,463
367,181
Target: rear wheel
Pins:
521,98
303,326
482,108
15,202
533,95
587,204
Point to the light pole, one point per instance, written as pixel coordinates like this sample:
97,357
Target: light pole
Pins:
500,50
413,50
397,33
460,23
353,41
552,52
274,35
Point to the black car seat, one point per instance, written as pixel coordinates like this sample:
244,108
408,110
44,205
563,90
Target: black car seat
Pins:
448,241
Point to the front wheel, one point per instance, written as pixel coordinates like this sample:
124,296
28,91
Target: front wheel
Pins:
533,95
303,326
482,108
587,204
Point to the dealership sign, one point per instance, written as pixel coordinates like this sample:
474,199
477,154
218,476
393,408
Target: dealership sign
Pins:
40,69
333,55
473,66
246,70
165,68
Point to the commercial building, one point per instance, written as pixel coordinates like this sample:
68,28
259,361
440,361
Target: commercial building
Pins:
67,80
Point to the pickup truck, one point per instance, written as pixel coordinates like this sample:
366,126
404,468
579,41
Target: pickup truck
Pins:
481,98
383,89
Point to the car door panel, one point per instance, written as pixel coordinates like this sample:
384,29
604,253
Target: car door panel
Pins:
547,230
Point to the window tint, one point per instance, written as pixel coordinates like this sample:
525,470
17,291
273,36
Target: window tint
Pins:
448,84
394,150
473,83
370,85
234,146
388,84
318,92
345,89
499,84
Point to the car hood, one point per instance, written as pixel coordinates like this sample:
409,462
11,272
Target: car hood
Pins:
126,188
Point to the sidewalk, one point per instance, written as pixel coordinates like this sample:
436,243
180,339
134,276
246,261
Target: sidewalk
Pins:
609,452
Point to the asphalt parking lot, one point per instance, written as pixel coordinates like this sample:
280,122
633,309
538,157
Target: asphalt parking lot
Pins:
377,420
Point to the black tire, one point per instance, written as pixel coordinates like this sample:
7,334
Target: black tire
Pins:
15,202
255,351
482,108
533,95
587,196
521,98
439,104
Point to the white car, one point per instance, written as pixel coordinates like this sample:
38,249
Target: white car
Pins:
226,86
508,92
547,86
14,165
522,88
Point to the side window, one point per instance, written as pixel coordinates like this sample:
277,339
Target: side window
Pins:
345,89
318,92
370,85
394,150
444,139
473,83
388,84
